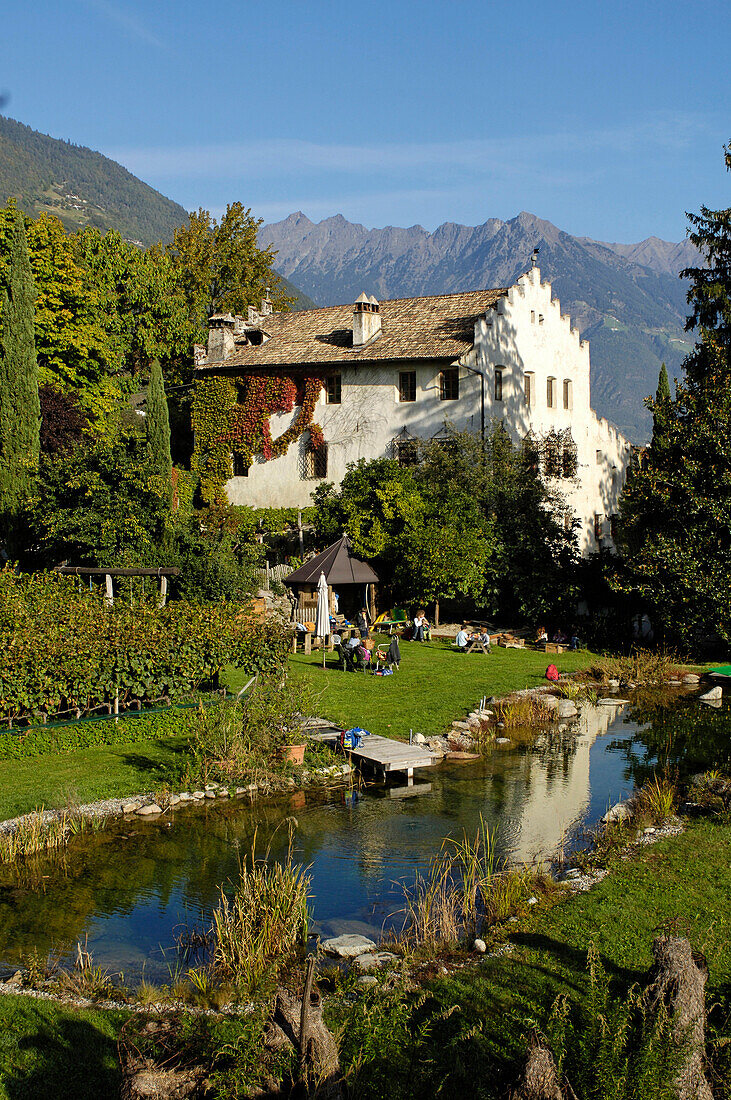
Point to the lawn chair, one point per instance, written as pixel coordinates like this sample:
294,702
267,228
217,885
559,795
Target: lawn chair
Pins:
360,663
345,657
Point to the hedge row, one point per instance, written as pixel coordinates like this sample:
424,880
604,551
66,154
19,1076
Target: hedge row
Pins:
22,744
61,649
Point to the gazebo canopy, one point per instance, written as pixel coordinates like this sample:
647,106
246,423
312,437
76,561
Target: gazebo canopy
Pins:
339,565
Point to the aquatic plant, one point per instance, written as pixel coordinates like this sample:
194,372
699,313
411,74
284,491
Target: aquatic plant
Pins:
658,799
263,922
464,892
641,666
521,710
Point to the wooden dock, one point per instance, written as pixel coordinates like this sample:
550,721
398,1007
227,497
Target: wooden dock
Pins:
384,754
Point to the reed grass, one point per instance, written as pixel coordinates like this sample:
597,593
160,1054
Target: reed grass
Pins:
641,666
521,711
658,799
34,834
464,892
259,927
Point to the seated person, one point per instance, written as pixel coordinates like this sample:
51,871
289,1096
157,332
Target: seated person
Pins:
420,622
541,635
560,637
462,637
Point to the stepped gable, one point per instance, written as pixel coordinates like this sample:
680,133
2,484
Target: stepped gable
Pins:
441,327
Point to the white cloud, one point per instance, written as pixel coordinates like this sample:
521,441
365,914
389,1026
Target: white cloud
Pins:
117,14
561,154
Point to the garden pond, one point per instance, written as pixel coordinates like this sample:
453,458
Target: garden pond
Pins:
129,890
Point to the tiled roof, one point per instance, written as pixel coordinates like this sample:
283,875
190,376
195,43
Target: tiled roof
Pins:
440,327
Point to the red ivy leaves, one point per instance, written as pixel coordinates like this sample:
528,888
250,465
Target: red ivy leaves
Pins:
250,429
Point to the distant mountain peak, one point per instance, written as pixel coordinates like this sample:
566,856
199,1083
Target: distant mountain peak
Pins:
626,299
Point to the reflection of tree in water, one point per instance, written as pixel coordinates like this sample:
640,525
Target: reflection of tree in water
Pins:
681,738
555,747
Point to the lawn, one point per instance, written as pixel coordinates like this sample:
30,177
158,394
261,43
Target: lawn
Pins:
104,771
47,1051
434,685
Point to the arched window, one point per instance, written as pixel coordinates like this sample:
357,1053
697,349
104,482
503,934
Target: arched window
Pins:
529,387
551,393
568,396
498,383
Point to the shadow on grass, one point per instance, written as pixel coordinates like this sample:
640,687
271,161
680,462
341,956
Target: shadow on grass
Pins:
66,1058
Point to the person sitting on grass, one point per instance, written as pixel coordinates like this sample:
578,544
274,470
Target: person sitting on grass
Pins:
462,637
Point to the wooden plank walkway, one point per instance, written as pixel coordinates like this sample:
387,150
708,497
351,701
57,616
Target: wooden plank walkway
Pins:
391,756
384,754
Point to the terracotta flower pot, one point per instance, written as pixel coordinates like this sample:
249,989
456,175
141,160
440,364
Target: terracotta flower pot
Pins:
293,754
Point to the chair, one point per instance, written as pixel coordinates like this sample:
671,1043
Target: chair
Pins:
360,663
345,659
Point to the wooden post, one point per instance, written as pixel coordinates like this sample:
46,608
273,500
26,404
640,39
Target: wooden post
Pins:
266,562
163,591
108,591
308,643
301,533
304,1015
436,612
372,602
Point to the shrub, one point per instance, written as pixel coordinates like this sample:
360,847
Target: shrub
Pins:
615,1048
20,744
61,649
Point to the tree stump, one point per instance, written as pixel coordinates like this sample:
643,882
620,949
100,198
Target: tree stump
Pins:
678,979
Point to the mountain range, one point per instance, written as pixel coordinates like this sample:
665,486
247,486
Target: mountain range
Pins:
627,299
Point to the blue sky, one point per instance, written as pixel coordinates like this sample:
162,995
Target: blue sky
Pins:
607,119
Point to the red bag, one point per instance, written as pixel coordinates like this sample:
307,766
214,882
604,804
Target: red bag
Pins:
552,673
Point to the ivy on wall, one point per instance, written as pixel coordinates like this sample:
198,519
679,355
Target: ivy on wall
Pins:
233,414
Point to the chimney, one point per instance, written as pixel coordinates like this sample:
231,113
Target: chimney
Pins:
366,320
221,343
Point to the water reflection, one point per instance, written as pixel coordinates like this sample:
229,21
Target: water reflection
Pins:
130,888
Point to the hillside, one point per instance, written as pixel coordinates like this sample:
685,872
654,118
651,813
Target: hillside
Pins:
626,299
81,187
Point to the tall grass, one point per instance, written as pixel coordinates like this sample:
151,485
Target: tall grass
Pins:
523,710
641,666
615,1048
259,927
34,834
658,799
464,892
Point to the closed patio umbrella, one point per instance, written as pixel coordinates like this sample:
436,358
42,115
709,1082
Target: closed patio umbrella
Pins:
322,618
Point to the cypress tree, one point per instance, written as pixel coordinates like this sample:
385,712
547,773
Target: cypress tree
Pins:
158,428
661,411
20,411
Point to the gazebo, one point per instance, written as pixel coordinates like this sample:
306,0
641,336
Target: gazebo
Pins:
342,571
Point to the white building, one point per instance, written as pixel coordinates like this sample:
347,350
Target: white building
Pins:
395,371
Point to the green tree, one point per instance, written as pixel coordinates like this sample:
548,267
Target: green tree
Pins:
221,267
157,424
20,414
661,412
95,507
675,528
